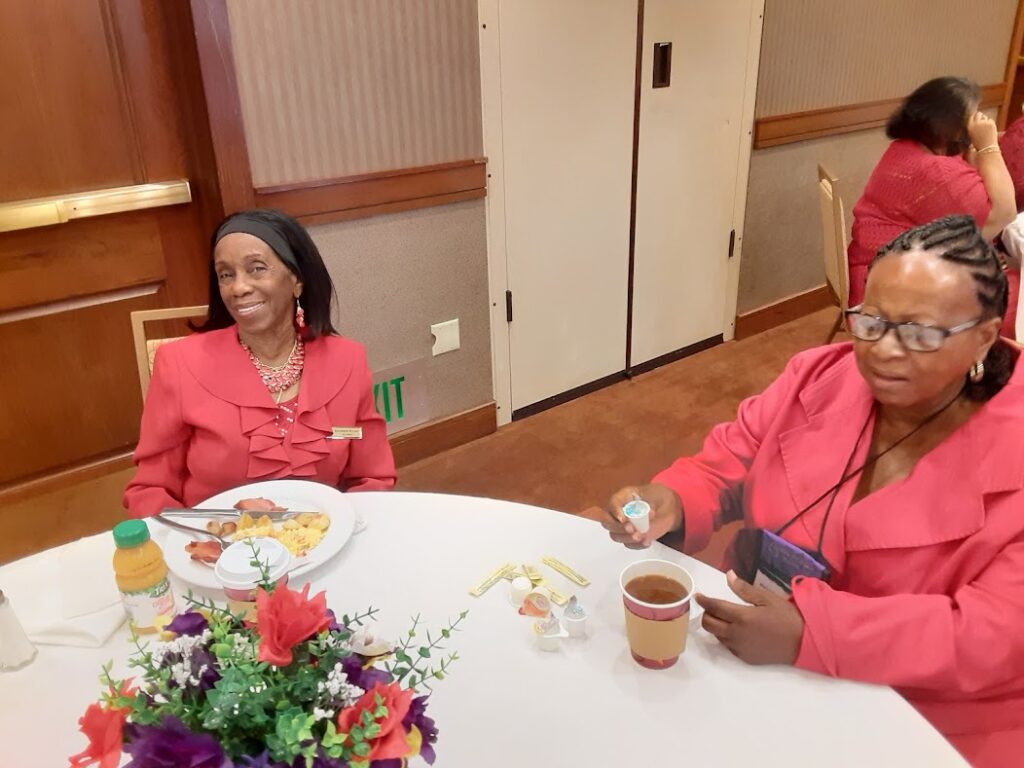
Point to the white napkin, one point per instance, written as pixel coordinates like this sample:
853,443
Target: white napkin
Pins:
67,595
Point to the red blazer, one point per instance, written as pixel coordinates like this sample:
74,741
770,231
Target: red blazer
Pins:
928,594
208,424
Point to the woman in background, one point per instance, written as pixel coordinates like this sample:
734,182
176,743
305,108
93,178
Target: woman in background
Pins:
924,175
267,389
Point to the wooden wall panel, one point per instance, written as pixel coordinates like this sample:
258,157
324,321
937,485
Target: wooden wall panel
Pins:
44,92
79,258
48,424
96,93
826,53
355,86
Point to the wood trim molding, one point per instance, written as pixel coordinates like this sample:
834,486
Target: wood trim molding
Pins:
816,123
437,436
783,311
66,478
372,194
1013,58
223,104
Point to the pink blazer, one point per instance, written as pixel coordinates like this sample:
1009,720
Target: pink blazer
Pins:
208,424
928,594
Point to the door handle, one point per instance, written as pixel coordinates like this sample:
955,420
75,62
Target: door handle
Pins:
662,65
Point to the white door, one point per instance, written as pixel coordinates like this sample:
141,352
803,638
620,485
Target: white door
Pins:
566,76
693,139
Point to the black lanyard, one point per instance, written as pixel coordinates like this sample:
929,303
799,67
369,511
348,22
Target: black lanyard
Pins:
848,475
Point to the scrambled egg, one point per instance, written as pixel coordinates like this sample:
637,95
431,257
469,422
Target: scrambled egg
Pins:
299,535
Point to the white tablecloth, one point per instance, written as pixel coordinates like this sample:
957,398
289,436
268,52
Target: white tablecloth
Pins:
507,703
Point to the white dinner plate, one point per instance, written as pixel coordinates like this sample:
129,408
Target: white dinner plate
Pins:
294,494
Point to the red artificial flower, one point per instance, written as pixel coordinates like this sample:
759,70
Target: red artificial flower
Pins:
284,619
391,743
103,726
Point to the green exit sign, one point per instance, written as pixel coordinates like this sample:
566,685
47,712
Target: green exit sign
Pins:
400,395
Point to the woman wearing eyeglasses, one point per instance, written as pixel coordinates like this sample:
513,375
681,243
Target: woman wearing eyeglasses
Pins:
882,484
944,159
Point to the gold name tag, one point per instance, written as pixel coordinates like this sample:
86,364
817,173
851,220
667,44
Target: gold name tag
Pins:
346,433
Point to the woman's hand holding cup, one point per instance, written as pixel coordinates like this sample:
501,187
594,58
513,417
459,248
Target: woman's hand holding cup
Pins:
666,515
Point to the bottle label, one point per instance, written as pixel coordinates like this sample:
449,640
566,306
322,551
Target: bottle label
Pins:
145,605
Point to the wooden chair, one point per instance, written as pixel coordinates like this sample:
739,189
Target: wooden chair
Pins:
145,349
833,230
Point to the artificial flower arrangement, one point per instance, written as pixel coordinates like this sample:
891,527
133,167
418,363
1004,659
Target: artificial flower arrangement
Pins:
295,688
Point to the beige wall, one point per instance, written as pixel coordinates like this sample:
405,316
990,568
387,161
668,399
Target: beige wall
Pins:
827,53
333,88
397,275
782,251
823,53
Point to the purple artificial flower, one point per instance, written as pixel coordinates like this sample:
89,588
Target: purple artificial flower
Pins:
364,678
334,626
207,662
417,715
172,745
263,761
189,623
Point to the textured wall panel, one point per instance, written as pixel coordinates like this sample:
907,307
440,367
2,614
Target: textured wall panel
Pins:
828,53
398,275
334,88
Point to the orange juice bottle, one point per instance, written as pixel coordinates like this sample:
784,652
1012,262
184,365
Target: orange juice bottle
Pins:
141,575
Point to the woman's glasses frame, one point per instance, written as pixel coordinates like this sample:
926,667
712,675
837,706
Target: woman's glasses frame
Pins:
916,337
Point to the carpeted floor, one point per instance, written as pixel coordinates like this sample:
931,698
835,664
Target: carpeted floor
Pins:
575,455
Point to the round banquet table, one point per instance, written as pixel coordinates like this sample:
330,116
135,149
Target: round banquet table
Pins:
505,702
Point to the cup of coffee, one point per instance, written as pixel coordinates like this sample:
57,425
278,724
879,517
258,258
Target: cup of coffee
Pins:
656,595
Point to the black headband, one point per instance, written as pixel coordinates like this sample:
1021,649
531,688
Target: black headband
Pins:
264,232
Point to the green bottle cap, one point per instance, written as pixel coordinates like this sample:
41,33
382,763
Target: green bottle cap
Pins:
131,533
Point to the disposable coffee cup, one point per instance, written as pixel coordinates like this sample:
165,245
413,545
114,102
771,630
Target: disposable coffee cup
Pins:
656,595
239,578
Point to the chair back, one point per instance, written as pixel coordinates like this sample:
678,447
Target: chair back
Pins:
145,348
833,230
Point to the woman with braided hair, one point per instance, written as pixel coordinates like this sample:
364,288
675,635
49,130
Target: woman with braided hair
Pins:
881,483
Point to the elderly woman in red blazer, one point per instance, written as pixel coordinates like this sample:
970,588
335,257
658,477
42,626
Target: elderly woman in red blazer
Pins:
266,389
945,159
895,464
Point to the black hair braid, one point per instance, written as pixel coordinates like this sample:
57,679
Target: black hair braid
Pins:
957,239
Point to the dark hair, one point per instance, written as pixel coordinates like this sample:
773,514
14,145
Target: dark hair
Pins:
957,239
936,115
317,288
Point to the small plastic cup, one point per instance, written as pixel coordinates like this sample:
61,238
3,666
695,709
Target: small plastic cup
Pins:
638,512
239,578
519,589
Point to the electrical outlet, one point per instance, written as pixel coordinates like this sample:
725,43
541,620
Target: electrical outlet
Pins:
446,336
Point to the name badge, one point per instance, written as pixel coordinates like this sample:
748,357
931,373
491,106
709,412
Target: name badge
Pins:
346,433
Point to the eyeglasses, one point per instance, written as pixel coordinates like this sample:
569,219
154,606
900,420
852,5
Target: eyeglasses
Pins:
914,336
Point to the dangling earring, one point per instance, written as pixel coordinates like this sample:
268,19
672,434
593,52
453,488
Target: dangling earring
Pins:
977,372
300,314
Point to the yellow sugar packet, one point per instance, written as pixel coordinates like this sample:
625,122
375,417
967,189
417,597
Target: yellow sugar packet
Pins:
557,565
558,598
493,578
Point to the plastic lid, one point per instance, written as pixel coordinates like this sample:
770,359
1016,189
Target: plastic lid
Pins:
131,533
234,568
